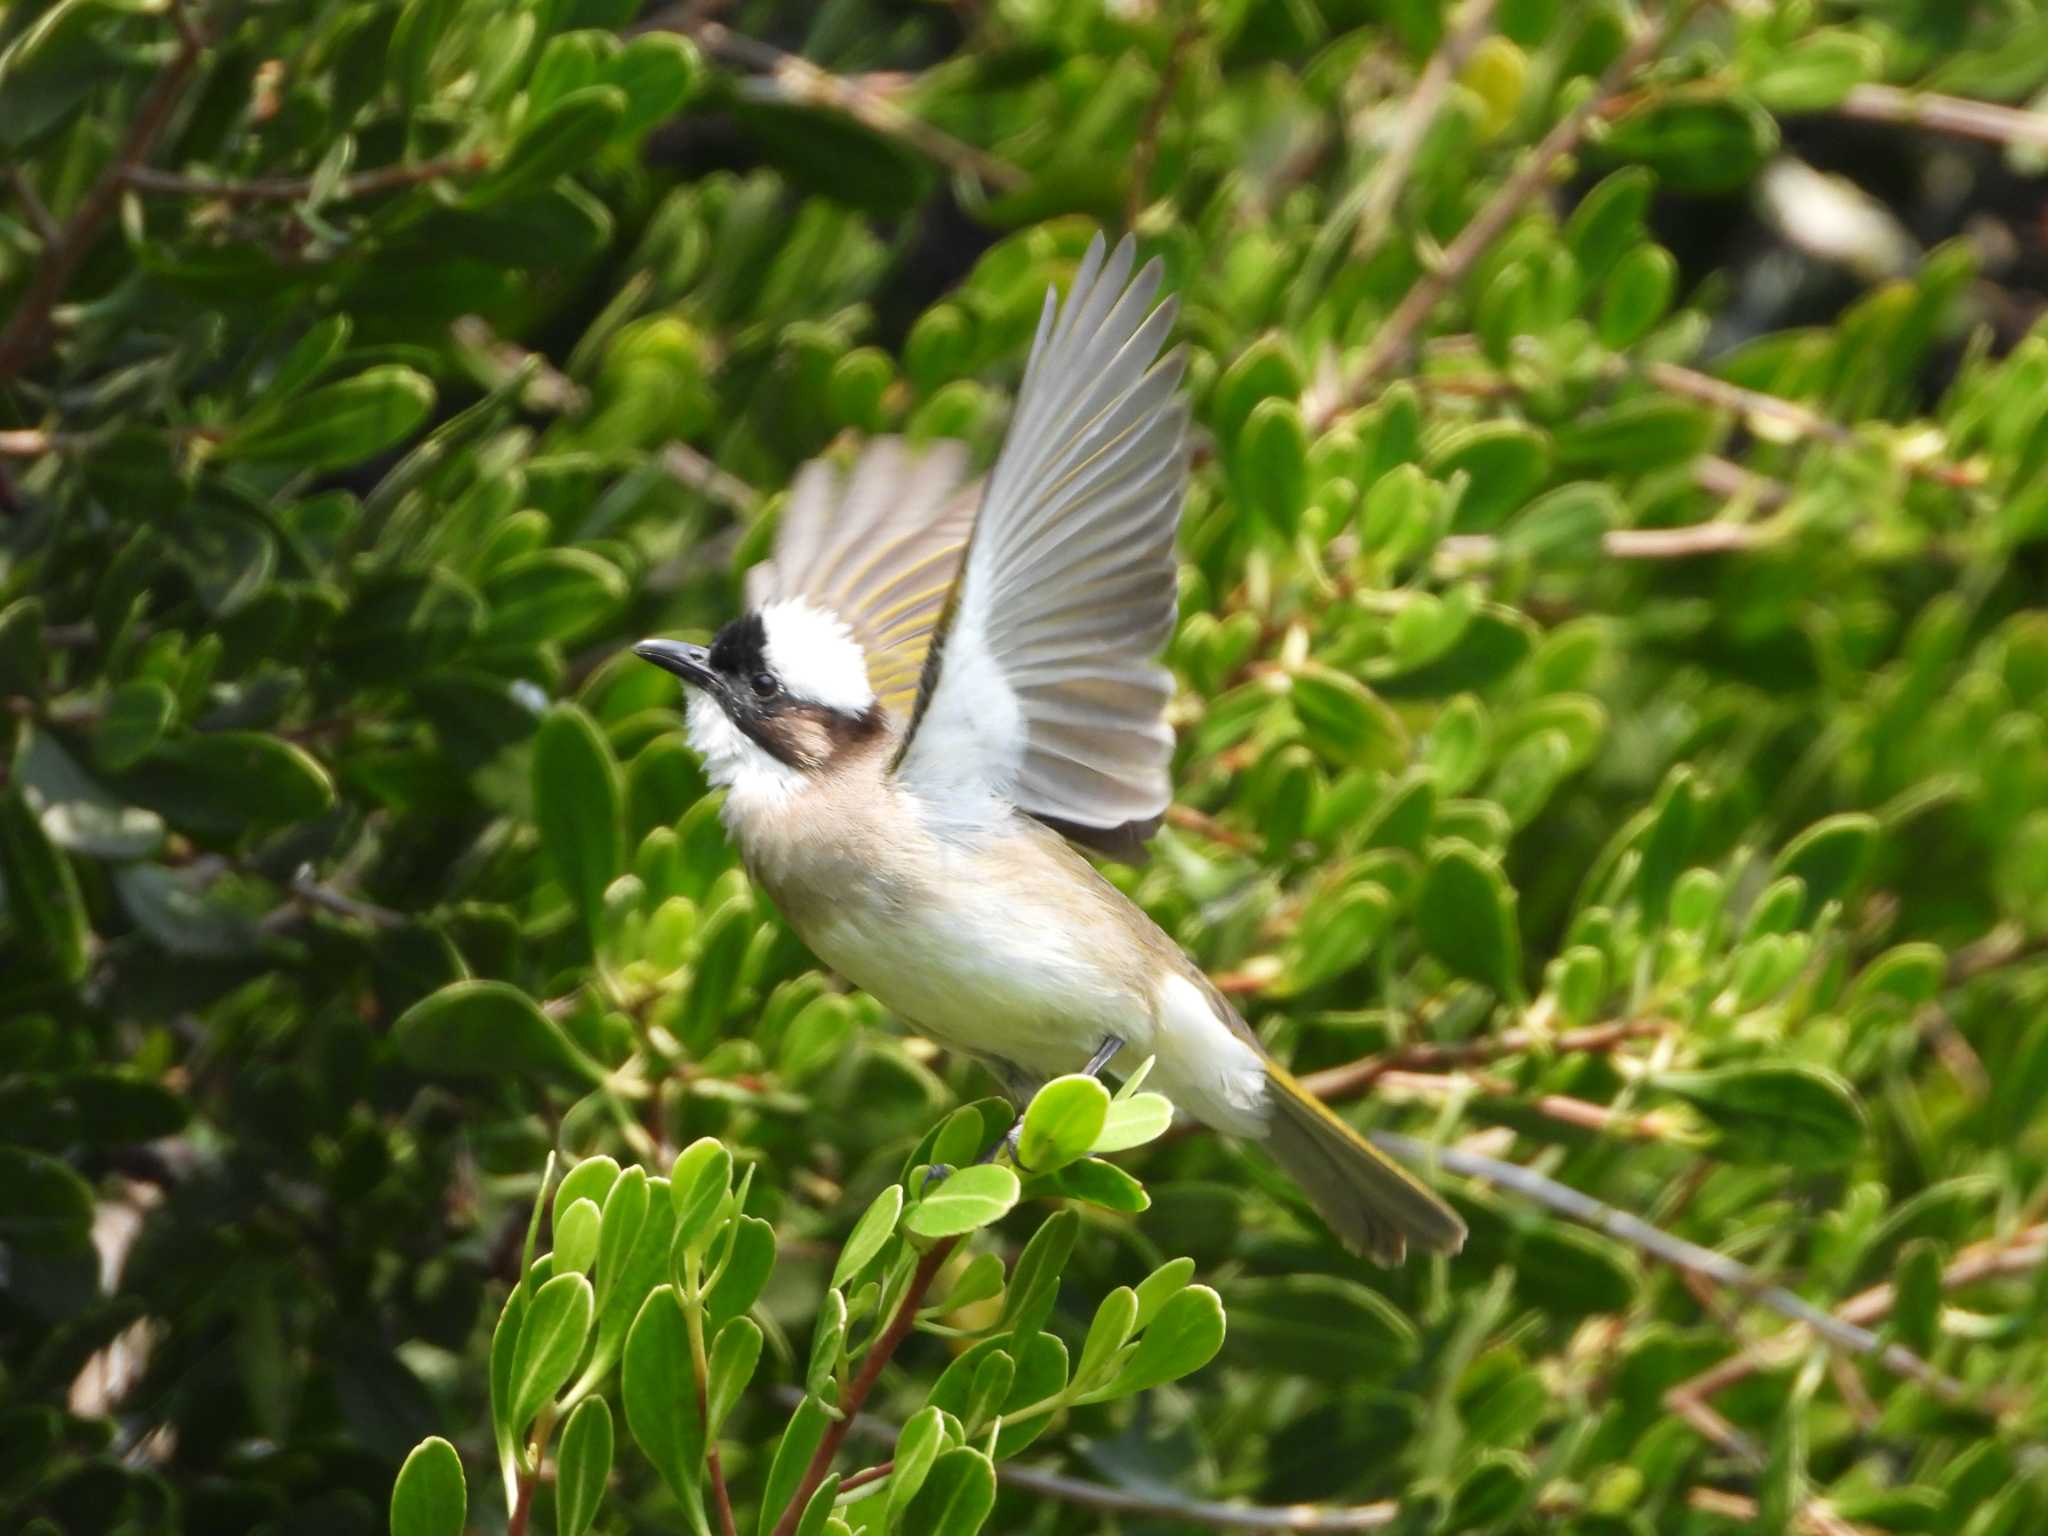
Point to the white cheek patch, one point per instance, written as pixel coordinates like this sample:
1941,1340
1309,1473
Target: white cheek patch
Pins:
815,656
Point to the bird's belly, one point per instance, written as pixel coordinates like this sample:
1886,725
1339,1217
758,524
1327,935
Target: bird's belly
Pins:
980,971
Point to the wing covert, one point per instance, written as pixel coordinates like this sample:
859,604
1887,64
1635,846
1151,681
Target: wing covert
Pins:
1044,685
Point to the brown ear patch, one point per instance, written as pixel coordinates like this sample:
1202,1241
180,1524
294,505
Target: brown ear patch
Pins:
811,736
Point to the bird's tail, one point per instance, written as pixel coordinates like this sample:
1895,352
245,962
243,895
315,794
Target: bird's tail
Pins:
1374,1206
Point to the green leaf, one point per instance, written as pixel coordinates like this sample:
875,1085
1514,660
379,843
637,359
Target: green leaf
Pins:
592,1179
1345,722
1569,1272
429,1498
1817,71
583,1465
136,716
746,1271
1161,1286
42,892
1782,1113
956,1498
1696,142
1133,1121
1637,294
1337,934
578,803
658,1389
487,1028
698,1185
1563,525
632,1257
1647,433
231,782
1609,221
576,1238
1466,915
1272,463
1320,1326
1493,644
552,594
1830,857
1096,1182
967,1198
869,1236
338,424
1917,1295
1503,461
1035,1280
1062,1122
792,1454
1116,1319
1182,1338
657,72
551,1340
564,138
44,1206
735,1352
918,1445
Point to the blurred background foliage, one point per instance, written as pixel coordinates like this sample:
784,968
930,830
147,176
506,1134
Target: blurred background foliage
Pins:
1613,734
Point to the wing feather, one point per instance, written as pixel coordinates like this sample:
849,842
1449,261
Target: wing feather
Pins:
879,545
1043,689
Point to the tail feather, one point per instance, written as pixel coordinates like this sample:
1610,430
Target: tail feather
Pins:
1373,1205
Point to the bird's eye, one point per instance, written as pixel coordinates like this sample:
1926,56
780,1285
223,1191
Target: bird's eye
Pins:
765,686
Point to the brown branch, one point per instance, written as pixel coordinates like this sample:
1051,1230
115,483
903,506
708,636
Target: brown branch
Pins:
1147,147
879,1353
1946,114
40,219
1382,189
1729,1274
1807,422
1397,333
293,189
1814,1518
693,469
27,332
1333,1085
798,80
1204,1512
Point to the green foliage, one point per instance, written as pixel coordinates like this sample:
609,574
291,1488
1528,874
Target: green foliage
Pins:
1612,728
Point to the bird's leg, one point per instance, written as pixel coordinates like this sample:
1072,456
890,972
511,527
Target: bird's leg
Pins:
1105,1053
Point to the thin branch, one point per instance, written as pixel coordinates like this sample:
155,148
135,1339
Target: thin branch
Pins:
1397,333
878,1356
1333,1085
40,219
1804,420
1723,1271
1946,114
1147,147
1203,1512
791,78
27,332
312,893
1382,189
690,467
1602,1119
294,189
1815,1518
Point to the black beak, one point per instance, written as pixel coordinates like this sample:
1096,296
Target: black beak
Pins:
692,663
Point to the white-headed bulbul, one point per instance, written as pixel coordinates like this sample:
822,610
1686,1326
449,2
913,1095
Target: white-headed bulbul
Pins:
941,687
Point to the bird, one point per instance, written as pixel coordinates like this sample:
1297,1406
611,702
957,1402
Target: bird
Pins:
941,691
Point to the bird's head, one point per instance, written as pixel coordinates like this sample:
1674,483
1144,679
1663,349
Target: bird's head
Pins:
780,694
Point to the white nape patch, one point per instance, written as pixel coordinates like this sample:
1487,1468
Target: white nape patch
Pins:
815,656
1203,1065
753,779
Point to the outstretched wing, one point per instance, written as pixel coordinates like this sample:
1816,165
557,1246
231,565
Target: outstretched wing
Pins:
1044,686
878,545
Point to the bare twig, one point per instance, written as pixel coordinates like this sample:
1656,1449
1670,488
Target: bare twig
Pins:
23,340
1336,1084
1731,1274
40,219
1814,1518
1147,147
312,893
293,189
1202,1512
796,79
1398,332
700,474
1804,420
1382,189
878,1356
1946,114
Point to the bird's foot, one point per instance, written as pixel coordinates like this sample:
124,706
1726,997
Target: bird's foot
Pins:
1105,1053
